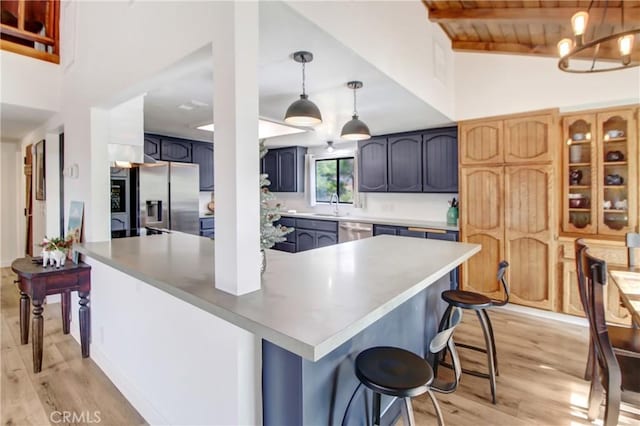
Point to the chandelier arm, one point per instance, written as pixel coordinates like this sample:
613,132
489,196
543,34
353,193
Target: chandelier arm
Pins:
596,51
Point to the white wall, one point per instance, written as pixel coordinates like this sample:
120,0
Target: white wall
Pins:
490,84
397,38
10,212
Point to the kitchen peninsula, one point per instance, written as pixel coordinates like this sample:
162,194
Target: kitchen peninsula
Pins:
285,352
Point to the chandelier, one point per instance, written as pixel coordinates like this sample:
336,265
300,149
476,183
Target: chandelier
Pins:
596,55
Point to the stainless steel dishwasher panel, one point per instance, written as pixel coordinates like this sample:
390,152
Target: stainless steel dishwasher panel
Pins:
350,231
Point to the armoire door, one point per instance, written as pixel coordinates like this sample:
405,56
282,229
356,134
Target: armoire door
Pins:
530,139
529,236
481,142
482,222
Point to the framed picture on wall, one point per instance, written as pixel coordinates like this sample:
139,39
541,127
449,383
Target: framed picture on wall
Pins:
39,171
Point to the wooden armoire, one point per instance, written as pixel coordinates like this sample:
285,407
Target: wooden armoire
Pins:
508,200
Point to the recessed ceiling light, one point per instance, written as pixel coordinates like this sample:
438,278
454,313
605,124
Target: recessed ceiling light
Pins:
198,103
185,107
266,129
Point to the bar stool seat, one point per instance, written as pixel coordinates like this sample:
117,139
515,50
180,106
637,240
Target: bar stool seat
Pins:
466,299
393,371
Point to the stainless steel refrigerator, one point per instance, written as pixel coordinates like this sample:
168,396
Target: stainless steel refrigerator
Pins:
168,194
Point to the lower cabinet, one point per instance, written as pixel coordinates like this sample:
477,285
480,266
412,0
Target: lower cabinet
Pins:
207,227
309,234
614,253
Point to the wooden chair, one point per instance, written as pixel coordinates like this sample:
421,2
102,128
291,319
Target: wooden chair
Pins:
622,338
617,376
633,245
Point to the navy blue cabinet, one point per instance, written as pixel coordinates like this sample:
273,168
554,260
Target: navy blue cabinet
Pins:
203,156
176,150
289,245
372,165
152,146
422,161
305,240
440,160
309,234
207,227
285,167
404,163
385,230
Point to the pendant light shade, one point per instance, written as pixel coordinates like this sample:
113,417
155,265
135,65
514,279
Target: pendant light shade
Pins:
303,112
355,129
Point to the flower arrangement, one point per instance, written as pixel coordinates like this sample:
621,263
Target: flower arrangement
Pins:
62,244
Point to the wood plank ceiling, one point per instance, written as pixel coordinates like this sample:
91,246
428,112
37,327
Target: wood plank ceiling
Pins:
530,27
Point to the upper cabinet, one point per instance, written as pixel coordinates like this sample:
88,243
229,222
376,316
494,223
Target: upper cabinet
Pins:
481,142
372,165
175,150
600,174
440,160
405,163
425,161
203,156
152,146
285,167
529,138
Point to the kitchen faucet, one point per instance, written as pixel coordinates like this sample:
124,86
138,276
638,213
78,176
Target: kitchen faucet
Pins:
335,209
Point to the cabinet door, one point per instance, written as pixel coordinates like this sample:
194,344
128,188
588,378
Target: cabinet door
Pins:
324,239
287,170
203,156
372,165
405,232
482,222
530,139
618,186
175,150
384,230
440,162
571,303
305,240
152,146
481,142
529,236
405,163
270,167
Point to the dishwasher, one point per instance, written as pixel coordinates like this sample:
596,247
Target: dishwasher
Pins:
350,231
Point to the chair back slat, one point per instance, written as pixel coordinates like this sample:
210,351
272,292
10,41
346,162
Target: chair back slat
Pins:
596,278
444,341
580,248
633,246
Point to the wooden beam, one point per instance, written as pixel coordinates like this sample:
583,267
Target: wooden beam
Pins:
557,15
538,50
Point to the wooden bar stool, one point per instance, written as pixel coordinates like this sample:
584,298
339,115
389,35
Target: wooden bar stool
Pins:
479,303
402,374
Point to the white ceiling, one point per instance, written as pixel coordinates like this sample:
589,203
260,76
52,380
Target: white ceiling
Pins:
383,104
16,121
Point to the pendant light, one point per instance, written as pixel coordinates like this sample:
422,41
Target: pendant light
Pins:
303,112
355,129
592,50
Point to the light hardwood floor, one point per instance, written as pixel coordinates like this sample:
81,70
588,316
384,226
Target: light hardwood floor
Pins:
541,364
67,382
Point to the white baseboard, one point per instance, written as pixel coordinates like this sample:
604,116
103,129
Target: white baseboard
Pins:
5,263
540,313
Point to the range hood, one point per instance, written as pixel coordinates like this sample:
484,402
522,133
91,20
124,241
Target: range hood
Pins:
126,132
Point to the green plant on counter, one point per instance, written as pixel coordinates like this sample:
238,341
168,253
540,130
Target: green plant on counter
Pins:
269,233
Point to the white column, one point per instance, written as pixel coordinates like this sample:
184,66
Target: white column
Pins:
235,110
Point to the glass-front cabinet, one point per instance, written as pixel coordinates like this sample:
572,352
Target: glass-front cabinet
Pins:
600,172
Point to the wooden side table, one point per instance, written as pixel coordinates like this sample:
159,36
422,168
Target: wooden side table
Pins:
35,283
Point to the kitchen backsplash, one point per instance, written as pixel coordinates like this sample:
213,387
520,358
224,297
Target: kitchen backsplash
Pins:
429,207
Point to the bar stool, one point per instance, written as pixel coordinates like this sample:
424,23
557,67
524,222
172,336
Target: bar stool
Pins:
479,303
402,374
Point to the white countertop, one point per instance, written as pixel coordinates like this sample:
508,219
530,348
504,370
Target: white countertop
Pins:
377,220
310,302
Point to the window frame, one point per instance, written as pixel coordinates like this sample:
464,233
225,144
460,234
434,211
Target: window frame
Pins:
315,172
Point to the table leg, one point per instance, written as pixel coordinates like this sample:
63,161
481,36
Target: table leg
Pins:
25,309
66,311
85,322
36,338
